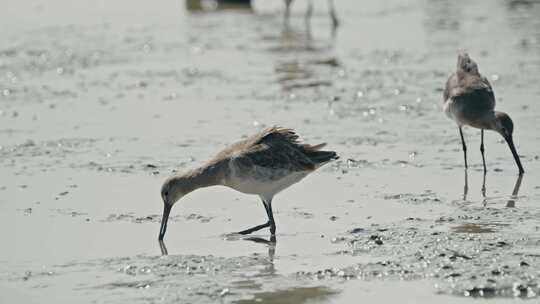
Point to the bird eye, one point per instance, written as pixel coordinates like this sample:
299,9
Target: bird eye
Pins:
166,193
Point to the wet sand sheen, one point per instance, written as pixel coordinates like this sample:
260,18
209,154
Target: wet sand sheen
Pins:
94,115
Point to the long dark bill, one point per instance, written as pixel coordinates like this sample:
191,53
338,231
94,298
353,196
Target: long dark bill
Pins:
164,219
510,142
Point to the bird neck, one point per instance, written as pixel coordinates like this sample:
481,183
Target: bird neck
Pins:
204,176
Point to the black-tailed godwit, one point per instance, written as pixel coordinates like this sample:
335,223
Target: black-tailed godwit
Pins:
263,164
469,100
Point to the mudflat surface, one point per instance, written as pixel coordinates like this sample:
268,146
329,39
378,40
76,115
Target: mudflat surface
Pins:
101,101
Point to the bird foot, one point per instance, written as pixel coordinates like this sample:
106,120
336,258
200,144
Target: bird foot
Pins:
256,228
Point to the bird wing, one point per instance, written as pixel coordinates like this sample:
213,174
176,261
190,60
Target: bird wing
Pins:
475,92
489,89
275,148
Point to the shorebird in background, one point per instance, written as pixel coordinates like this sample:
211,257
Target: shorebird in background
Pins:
469,100
309,12
263,164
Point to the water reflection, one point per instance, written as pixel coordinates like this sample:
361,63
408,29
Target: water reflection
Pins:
293,40
309,14
271,243
466,187
526,4
484,198
513,197
315,68
163,248
214,5
512,201
316,294
269,268
293,74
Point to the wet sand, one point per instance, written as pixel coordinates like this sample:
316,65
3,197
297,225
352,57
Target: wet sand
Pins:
98,105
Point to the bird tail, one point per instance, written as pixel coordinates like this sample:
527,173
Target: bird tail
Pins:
311,148
320,157
317,156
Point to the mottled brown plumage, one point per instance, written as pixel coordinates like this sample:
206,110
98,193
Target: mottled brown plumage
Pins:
263,164
469,100
276,148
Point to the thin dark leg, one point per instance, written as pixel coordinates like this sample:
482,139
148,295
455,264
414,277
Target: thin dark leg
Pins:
270,223
464,147
287,12
482,150
270,213
333,15
307,18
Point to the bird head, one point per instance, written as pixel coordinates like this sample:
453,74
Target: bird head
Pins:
503,124
173,189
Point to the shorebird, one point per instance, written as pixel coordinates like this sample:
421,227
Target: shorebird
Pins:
263,164
309,12
469,100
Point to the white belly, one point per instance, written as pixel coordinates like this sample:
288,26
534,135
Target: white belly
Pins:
263,182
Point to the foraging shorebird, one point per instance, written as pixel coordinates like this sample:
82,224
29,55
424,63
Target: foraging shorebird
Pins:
469,100
263,164
309,12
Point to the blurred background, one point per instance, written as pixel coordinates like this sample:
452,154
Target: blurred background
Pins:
100,101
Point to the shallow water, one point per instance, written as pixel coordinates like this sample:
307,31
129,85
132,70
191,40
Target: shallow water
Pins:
98,104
